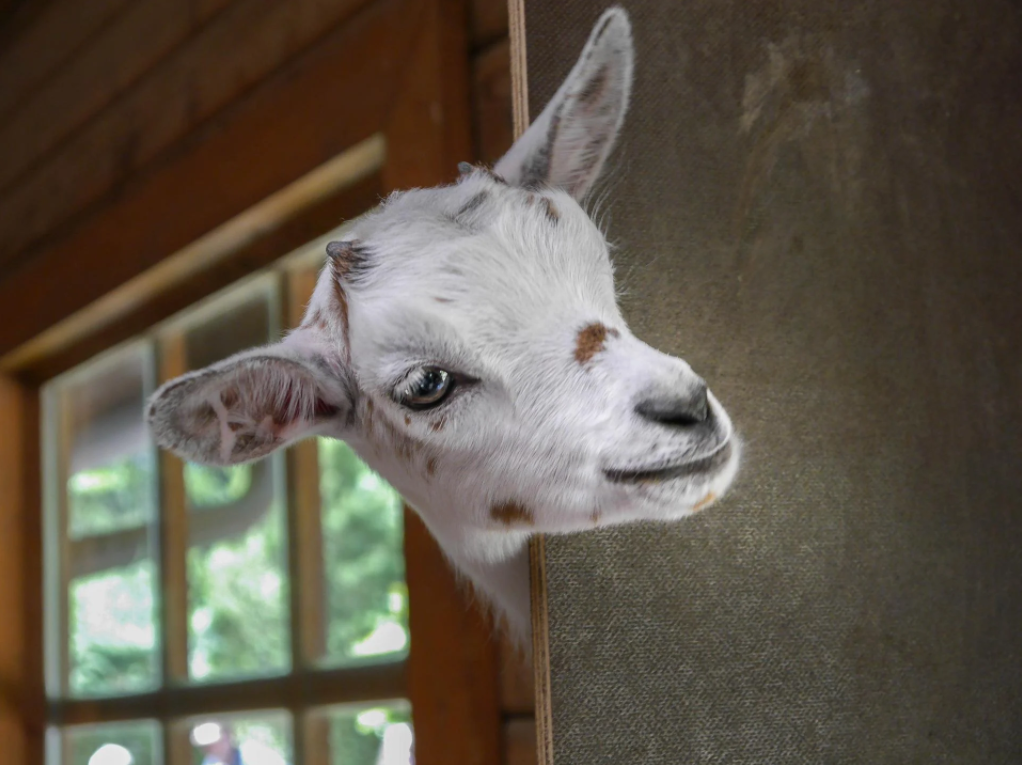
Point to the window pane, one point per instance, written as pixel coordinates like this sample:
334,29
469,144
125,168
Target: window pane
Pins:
363,559
263,739
100,450
237,567
120,744
377,735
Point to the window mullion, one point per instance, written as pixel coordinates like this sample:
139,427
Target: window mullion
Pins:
173,538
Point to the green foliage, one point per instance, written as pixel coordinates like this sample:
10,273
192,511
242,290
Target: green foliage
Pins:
367,602
356,734
137,738
238,588
111,498
237,591
216,486
113,632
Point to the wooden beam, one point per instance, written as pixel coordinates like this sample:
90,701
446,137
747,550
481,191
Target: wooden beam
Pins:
488,22
537,555
172,540
452,664
305,529
332,97
296,692
251,241
491,102
22,707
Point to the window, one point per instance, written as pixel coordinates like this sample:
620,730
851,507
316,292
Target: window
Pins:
196,613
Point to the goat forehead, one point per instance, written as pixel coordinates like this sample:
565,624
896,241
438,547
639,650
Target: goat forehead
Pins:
509,254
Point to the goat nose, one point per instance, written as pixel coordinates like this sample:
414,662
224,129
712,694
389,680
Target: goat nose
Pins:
685,410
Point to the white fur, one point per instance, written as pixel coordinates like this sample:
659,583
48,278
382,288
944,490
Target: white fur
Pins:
493,281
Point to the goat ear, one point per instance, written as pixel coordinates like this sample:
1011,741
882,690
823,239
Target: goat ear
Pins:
569,142
249,405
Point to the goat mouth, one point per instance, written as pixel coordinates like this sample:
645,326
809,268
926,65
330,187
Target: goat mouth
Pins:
702,466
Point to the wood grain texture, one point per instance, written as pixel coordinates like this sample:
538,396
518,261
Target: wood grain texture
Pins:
109,63
491,102
22,706
41,42
282,130
452,665
520,742
312,221
239,49
538,585
517,686
488,21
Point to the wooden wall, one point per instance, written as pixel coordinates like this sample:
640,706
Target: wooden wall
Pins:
100,99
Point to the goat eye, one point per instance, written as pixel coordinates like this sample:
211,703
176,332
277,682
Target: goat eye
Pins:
427,389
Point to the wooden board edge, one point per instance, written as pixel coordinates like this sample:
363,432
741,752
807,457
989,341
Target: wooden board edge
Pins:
541,651
537,555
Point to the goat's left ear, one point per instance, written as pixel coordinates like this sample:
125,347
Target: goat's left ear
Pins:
249,405
569,142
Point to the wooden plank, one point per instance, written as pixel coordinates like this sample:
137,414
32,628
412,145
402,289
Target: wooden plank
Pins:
517,687
520,742
537,556
296,692
21,671
452,664
110,63
488,22
491,102
83,337
43,43
173,537
541,653
308,582
236,51
300,118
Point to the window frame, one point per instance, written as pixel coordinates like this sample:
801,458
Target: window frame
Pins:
451,673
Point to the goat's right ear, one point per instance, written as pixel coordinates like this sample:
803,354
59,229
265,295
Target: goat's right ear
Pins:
569,142
249,405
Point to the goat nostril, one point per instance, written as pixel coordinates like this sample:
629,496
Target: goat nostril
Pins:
681,411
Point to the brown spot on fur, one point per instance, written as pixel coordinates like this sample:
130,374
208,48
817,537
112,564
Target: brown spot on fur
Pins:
512,514
590,341
595,517
431,466
408,420
439,425
551,210
443,300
